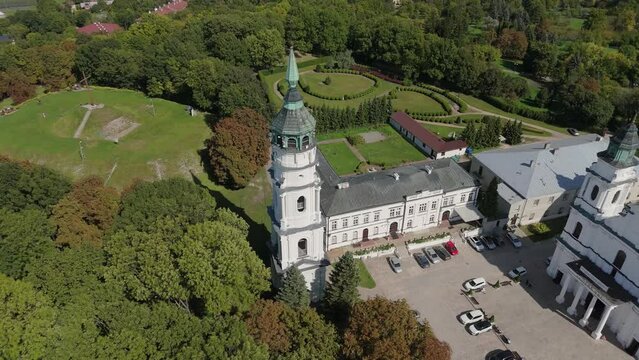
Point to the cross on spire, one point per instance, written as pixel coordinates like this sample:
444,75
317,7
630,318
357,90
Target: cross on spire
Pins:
292,75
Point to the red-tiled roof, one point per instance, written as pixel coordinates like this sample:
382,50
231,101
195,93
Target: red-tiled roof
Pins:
172,7
98,27
431,140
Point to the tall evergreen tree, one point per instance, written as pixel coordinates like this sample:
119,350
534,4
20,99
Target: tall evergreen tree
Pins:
293,291
517,133
488,200
341,293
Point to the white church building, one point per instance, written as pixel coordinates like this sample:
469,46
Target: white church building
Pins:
597,255
315,211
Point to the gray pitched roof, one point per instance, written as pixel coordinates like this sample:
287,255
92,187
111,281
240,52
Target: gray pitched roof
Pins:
539,169
381,188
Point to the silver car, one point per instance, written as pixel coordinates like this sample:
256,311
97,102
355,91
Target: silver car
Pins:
514,239
432,255
476,244
488,241
395,264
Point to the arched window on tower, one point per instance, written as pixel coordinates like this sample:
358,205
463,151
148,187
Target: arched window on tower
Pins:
594,193
577,231
291,143
618,263
305,142
302,249
616,197
301,204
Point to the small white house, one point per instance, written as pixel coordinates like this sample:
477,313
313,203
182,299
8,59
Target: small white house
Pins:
429,143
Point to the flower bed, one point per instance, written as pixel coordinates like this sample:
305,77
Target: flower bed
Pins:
375,251
425,241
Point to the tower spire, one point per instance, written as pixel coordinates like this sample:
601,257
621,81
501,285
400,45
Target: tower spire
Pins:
292,75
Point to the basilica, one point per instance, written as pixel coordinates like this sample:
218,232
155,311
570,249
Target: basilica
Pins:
315,210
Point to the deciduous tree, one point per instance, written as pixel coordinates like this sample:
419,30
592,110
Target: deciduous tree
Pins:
239,147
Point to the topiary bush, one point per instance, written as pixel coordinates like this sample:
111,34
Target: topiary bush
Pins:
328,80
355,139
539,228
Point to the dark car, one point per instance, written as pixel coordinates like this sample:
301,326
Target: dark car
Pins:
422,260
573,131
442,252
505,355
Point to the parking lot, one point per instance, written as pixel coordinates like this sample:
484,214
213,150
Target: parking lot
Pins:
537,327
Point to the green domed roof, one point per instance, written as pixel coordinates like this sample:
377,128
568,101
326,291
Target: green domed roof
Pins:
622,148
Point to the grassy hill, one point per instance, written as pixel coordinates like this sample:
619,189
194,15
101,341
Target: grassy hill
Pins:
165,142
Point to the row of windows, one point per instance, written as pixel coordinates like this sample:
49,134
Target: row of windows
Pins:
292,142
355,235
365,219
551,199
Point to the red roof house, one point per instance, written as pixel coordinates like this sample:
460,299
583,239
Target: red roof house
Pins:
99,28
172,7
431,144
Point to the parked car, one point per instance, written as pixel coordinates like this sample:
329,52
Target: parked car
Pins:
505,355
573,131
475,284
517,272
395,264
488,242
432,255
472,316
421,259
442,252
476,244
452,249
480,327
514,239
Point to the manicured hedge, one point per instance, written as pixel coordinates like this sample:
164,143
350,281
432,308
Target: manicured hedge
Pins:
306,63
463,106
519,109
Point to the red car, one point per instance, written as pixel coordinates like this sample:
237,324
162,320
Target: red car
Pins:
450,246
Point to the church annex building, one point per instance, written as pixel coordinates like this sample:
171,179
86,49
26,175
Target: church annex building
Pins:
314,210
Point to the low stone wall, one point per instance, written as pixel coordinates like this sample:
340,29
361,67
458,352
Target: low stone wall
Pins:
374,254
414,246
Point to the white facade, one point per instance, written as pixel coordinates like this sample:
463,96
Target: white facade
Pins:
597,255
417,212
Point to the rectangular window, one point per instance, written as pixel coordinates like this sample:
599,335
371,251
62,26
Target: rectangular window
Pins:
392,212
376,230
354,235
411,210
432,219
355,220
334,239
344,237
376,216
463,198
536,202
471,196
409,224
334,225
398,211
366,219
433,206
422,207
345,222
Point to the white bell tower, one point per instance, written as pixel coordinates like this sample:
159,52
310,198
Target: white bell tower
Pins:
610,180
298,227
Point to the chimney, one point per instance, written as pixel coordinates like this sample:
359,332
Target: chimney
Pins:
429,169
343,185
396,176
546,145
532,163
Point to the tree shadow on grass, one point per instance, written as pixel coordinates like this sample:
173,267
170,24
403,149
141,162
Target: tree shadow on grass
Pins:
258,234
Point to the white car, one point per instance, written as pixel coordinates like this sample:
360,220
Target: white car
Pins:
475,284
480,327
432,255
514,240
395,264
476,244
472,316
517,272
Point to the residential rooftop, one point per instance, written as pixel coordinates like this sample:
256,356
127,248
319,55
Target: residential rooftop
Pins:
431,140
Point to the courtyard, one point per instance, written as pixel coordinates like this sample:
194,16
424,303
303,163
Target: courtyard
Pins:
527,315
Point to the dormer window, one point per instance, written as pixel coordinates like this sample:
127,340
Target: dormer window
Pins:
305,142
291,143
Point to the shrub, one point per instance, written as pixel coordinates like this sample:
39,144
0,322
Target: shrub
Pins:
328,80
429,238
355,139
539,228
373,249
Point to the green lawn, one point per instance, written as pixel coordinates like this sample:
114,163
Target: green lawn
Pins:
341,84
365,278
346,132
270,82
482,105
527,130
341,158
413,101
392,151
171,137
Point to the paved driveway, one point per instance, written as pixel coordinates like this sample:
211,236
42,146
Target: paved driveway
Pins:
537,327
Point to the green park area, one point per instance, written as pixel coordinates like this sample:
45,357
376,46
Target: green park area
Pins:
416,102
335,84
132,136
340,156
